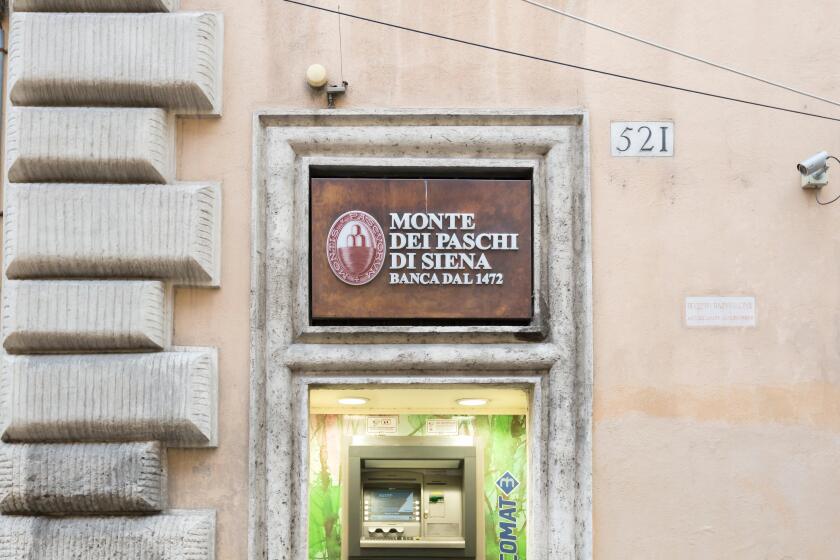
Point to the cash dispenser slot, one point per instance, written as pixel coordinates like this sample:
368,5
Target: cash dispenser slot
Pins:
412,500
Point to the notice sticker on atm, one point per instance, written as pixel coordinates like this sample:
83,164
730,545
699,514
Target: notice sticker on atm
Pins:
382,425
441,427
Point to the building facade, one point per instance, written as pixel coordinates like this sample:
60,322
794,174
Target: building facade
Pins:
459,314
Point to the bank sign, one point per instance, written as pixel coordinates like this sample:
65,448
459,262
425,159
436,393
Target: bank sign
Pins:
413,249
507,525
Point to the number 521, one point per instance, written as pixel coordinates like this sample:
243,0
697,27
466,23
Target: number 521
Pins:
642,139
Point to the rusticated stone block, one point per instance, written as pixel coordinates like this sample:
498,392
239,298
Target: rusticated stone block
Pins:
166,396
128,60
175,535
82,478
77,145
68,316
133,231
96,5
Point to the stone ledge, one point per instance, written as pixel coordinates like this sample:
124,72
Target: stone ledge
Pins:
174,535
441,357
166,396
67,316
95,5
76,145
130,231
172,61
82,478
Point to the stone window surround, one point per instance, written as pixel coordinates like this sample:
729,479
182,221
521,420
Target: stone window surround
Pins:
289,355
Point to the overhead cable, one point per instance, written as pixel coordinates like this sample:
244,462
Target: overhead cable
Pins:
817,191
680,53
566,64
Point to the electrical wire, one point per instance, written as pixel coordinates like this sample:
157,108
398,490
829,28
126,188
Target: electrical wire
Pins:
832,201
340,45
817,194
569,65
680,53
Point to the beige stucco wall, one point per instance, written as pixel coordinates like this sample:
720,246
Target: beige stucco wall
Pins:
719,443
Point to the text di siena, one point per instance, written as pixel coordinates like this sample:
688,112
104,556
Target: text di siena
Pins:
443,249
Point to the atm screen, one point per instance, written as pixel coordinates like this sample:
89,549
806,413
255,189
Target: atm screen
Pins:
392,504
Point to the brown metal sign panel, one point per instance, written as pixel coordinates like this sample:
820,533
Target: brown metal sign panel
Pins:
426,250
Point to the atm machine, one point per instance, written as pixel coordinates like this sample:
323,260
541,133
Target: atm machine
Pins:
412,497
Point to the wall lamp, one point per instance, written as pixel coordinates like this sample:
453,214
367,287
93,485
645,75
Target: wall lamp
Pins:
316,77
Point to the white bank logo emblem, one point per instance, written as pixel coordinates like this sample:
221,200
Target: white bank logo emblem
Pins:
508,534
356,248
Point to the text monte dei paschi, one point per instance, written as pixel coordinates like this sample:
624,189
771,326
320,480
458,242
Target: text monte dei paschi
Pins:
444,248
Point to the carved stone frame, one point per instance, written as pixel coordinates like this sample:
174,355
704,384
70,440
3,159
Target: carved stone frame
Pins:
552,355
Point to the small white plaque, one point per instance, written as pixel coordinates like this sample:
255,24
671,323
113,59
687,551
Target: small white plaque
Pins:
720,311
642,139
441,427
382,425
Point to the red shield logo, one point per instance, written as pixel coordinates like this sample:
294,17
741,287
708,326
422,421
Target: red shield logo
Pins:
356,248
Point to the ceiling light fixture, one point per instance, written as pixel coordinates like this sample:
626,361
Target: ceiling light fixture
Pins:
472,402
353,401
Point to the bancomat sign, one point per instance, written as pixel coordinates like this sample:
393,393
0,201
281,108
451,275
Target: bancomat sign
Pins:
506,515
421,249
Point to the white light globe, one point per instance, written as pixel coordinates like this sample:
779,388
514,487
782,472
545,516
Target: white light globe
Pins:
316,76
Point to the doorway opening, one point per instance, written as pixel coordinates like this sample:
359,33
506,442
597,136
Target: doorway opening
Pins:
437,471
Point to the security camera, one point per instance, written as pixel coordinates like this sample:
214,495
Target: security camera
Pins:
814,171
813,164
